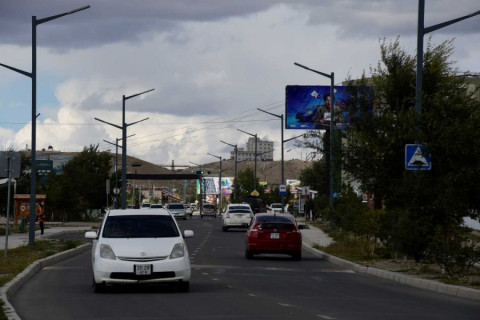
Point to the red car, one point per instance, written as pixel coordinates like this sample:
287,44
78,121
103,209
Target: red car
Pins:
273,233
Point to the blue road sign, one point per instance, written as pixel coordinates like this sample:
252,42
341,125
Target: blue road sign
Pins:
416,158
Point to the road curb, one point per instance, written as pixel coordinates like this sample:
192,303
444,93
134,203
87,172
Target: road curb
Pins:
10,287
457,291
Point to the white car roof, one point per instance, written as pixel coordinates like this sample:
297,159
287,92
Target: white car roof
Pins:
129,212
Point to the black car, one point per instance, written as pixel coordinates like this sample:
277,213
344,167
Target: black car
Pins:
257,204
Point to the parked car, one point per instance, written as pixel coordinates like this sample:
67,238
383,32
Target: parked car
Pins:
275,208
188,209
139,246
208,210
177,210
273,233
236,215
145,206
156,206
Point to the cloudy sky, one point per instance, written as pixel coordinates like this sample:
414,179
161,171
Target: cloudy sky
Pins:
212,63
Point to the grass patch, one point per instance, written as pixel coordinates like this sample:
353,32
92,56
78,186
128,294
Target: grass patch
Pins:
20,258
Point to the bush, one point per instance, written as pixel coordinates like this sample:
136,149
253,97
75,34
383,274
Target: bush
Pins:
454,253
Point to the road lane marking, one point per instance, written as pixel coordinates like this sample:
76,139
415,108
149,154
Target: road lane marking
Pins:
325,317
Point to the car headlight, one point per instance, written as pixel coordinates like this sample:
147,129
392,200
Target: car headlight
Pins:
178,251
106,252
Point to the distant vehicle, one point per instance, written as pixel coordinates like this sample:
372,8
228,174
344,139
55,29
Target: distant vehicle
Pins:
177,210
236,215
140,246
188,209
145,206
275,208
273,233
156,206
257,204
208,210
193,205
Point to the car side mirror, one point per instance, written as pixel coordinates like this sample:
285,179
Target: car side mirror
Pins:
90,235
188,233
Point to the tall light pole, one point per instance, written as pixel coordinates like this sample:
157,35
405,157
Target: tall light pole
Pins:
255,169
124,127
331,76
124,149
235,168
281,139
219,183
116,168
202,187
33,76
421,31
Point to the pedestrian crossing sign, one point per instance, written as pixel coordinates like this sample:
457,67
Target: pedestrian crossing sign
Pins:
416,158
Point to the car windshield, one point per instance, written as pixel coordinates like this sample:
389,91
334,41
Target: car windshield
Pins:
146,205
140,226
156,206
277,206
209,206
176,206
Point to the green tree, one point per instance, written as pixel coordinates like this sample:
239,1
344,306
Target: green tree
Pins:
244,183
375,143
81,187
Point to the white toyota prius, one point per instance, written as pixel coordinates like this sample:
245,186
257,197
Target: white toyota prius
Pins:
140,246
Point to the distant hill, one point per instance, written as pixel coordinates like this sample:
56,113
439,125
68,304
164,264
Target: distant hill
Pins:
269,171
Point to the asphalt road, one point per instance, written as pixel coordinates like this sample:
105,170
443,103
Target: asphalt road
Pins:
225,285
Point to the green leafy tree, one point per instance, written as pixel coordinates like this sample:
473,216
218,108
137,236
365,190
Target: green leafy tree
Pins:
375,143
81,187
244,183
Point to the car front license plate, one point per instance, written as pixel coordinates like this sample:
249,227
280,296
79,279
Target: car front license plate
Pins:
143,269
274,235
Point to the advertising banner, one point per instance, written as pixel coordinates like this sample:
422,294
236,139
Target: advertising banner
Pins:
211,185
308,107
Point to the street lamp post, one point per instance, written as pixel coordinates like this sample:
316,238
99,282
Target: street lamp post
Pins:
33,76
235,169
219,183
124,149
116,167
124,127
255,163
331,76
421,31
281,139
202,187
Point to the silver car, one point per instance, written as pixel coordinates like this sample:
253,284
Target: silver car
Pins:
177,210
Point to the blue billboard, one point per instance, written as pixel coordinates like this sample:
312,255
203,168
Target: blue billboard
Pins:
308,107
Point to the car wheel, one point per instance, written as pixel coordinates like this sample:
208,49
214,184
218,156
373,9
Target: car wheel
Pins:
297,256
225,229
183,286
185,218
98,287
248,254
201,216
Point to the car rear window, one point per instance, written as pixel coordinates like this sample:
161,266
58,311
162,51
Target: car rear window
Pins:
176,206
209,206
276,218
156,206
277,206
140,226
239,209
276,226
